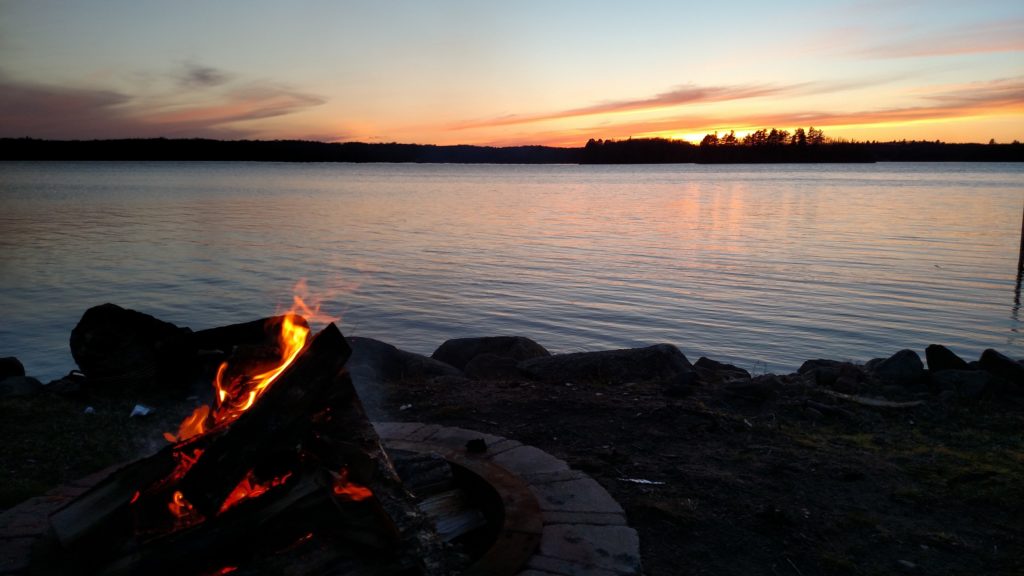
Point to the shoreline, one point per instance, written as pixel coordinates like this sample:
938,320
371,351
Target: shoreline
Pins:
837,468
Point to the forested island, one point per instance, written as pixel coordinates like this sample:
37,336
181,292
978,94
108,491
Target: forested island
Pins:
761,146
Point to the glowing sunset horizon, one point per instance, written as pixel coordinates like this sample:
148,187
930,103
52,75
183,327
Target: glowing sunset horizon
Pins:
457,73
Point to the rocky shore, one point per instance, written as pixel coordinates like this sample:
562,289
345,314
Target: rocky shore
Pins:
904,464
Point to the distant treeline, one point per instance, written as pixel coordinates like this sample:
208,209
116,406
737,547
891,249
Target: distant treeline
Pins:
276,151
763,146
781,146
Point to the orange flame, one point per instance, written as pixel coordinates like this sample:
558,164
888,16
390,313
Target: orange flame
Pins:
234,399
349,491
249,487
233,403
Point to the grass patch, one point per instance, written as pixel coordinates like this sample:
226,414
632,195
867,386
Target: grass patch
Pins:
50,440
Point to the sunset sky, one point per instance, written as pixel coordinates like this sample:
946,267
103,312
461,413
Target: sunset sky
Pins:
524,72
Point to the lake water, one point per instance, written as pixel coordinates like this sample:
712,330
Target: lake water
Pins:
762,266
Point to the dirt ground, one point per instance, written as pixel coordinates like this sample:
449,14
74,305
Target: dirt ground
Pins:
775,479
772,477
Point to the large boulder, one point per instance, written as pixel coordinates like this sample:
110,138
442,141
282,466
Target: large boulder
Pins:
376,361
658,362
11,366
120,348
1003,367
459,351
941,358
903,368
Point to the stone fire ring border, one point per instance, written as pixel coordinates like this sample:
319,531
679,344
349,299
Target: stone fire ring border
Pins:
581,530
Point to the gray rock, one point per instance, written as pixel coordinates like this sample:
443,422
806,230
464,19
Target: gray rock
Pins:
19,386
459,351
965,384
489,366
11,366
379,361
904,368
721,370
941,358
1004,367
658,362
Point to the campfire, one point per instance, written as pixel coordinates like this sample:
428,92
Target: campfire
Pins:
281,473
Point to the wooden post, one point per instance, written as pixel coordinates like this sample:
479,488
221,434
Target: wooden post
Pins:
1020,259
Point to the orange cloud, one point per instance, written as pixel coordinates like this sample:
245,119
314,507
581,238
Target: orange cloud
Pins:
970,100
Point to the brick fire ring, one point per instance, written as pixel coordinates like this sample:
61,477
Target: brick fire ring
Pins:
557,521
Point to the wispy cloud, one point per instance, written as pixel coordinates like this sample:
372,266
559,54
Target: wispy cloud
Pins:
67,112
251,102
1004,36
194,75
689,94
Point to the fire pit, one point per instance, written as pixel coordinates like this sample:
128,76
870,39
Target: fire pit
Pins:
581,529
283,473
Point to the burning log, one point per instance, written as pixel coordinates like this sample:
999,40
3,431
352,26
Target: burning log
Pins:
255,333
101,519
282,454
275,424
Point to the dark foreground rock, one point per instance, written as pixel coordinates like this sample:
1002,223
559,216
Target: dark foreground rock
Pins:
903,368
844,377
11,366
376,361
658,362
120,348
1004,367
459,351
707,367
941,358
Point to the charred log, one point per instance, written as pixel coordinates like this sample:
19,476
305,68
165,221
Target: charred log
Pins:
256,333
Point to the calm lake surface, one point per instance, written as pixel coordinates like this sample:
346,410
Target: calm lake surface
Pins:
762,266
